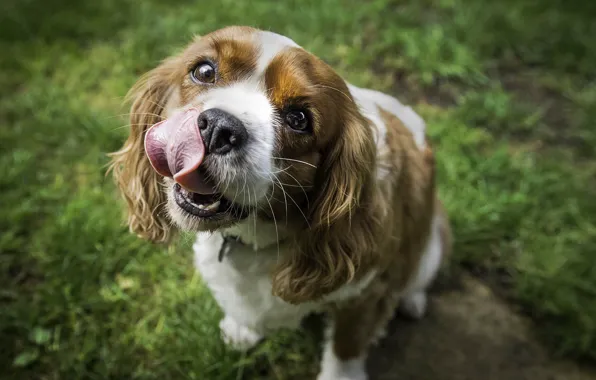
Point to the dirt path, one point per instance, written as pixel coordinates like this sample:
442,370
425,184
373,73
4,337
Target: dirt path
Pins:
468,334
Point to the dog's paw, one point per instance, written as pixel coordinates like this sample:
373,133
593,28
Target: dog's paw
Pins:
349,374
332,368
414,305
237,336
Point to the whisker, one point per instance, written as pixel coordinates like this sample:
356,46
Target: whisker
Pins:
248,193
284,194
120,127
134,113
295,186
301,187
293,160
333,88
295,203
158,105
243,194
219,183
255,221
275,223
263,174
128,125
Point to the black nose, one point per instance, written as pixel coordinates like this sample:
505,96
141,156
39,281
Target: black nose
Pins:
221,131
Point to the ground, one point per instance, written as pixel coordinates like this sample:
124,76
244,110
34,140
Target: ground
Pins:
508,90
470,334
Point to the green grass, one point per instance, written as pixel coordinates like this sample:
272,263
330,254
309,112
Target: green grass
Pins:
509,93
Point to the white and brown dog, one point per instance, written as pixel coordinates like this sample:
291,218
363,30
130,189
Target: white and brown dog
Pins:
307,193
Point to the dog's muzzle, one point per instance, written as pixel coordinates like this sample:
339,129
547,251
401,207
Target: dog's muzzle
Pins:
177,146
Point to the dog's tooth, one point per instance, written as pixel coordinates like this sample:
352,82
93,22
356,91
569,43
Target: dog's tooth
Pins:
213,206
202,207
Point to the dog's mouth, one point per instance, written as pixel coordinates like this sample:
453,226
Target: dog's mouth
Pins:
176,150
208,206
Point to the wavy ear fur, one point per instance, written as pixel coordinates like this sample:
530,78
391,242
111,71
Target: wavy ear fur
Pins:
340,241
139,184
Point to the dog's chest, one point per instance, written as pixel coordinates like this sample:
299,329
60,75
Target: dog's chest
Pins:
241,284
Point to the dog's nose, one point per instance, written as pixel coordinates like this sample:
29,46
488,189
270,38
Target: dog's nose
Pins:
221,131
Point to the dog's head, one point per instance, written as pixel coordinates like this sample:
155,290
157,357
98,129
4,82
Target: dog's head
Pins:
246,122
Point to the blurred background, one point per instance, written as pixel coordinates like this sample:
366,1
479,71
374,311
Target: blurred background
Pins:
508,89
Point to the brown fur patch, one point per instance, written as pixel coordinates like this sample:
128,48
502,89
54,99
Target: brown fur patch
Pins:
338,239
296,79
233,50
289,78
290,86
413,195
409,197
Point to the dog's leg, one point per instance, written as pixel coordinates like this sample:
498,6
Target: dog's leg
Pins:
339,365
237,336
414,300
352,329
414,304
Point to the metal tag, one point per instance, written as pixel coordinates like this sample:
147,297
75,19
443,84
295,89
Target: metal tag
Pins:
226,246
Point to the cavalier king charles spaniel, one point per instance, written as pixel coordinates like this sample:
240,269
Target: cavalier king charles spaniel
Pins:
307,194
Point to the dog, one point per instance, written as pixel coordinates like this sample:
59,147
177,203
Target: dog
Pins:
307,194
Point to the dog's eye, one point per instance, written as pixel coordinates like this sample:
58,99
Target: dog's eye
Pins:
203,73
298,121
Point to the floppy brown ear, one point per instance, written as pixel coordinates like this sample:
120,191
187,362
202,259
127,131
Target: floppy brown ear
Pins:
341,238
139,184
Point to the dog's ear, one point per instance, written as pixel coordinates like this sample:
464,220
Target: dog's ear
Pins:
139,184
341,237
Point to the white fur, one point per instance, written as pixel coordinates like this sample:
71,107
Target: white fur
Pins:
242,286
352,289
246,182
369,100
271,45
333,368
237,335
258,235
414,304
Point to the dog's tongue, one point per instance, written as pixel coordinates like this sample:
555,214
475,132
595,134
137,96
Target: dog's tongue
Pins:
175,149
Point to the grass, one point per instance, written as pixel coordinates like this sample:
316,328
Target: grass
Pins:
509,93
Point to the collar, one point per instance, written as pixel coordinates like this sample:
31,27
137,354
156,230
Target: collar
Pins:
226,246
230,240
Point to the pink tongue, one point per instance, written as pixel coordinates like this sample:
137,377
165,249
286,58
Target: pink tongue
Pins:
175,149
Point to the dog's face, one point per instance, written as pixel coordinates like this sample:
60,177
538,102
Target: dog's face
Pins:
248,122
